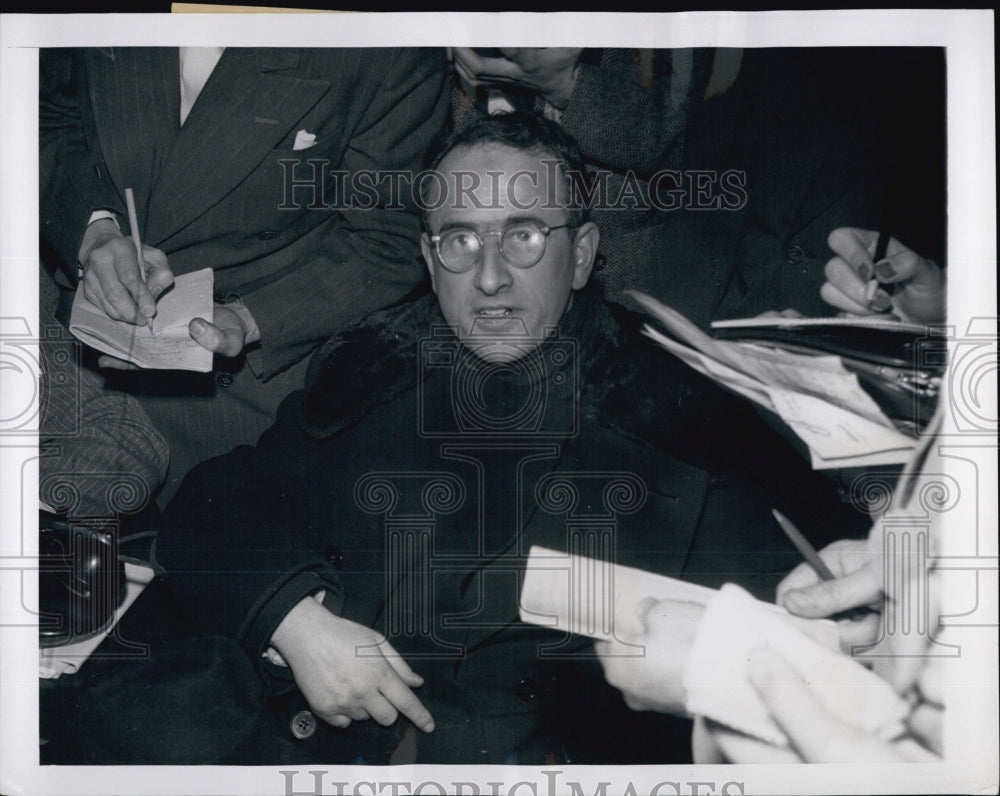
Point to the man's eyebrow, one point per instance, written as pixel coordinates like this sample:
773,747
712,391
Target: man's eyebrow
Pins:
507,222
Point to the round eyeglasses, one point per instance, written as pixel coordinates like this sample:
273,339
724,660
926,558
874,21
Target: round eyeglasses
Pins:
522,245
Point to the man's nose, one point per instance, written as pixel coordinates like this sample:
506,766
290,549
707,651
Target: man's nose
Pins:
492,270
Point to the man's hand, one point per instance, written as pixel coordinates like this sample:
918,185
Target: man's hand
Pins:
226,335
816,735
347,671
918,292
858,584
111,276
649,670
550,71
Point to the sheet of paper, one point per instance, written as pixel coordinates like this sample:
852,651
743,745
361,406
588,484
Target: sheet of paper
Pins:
731,379
169,346
715,677
822,376
834,433
865,460
599,599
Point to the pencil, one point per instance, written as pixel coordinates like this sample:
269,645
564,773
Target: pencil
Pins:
806,550
133,221
881,247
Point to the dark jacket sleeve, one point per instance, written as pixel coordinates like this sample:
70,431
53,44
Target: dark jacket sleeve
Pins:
73,182
232,541
365,258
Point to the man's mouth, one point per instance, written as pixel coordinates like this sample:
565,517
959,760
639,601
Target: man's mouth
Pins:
498,320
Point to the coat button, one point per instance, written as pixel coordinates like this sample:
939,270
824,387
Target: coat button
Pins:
794,254
303,724
334,557
526,689
267,234
224,379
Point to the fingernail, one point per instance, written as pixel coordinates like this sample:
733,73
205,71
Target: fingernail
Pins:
198,326
428,727
881,302
865,272
884,270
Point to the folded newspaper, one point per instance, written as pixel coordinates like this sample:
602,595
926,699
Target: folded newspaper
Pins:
827,399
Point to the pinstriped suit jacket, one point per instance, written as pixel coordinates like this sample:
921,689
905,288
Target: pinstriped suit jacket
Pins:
213,192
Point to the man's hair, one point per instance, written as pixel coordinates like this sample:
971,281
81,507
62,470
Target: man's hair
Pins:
529,133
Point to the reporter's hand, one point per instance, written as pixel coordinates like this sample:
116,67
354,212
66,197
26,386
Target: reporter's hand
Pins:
920,283
815,734
550,71
111,276
649,668
858,584
347,671
226,335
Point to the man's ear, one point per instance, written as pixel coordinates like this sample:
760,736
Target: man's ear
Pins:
427,250
588,236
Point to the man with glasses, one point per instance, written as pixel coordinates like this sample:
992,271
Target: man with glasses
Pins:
367,556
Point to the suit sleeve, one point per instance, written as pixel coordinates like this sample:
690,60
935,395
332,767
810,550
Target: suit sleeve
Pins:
237,553
72,179
365,258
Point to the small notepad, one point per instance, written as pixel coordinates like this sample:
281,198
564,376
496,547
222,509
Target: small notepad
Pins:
171,347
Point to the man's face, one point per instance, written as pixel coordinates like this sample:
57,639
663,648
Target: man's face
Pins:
494,298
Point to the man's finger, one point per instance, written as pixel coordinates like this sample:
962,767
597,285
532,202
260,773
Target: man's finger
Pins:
829,597
339,720
92,290
803,575
400,666
130,279
115,299
381,710
406,702
158,279
216,340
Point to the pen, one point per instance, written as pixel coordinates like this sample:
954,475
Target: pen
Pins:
133,220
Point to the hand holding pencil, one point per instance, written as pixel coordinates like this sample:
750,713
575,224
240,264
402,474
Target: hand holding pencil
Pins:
113,278
872,273
844,579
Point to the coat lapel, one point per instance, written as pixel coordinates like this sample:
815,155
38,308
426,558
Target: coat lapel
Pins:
251,101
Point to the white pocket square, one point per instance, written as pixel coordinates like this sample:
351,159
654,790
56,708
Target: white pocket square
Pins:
304,140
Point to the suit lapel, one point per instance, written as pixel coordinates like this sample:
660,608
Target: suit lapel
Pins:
135,94
250,102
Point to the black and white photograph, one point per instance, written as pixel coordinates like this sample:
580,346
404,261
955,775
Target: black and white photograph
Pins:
399,411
